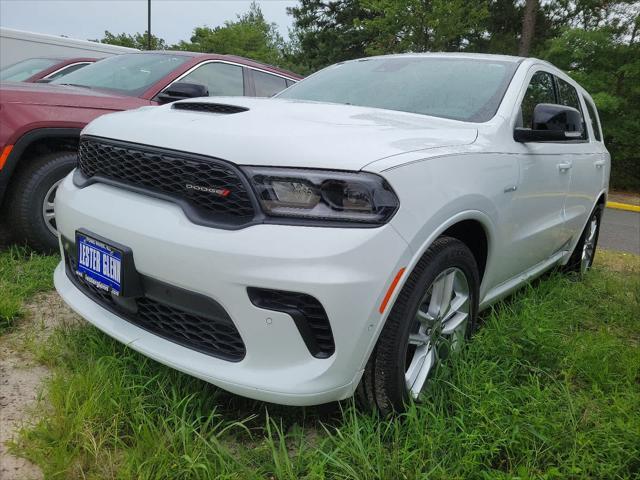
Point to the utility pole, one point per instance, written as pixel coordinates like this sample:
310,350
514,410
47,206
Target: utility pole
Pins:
148,24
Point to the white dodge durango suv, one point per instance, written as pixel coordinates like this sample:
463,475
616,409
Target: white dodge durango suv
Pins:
339,238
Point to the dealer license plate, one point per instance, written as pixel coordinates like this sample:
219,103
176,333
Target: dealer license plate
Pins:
99,263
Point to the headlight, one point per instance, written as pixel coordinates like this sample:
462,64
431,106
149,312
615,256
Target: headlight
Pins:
323,195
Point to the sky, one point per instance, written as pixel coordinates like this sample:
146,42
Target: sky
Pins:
172,20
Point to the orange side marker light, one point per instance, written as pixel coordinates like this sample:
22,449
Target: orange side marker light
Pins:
392,288
4,155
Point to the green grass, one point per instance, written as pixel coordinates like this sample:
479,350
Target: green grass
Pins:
22,273
549,388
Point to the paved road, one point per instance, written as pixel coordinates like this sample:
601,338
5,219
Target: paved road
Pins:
620,231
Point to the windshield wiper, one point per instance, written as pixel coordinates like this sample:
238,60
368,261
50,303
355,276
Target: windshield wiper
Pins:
74,85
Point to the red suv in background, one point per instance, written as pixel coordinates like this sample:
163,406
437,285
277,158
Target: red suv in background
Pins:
40,124
42,69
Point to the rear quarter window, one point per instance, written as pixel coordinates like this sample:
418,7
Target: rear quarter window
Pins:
568,96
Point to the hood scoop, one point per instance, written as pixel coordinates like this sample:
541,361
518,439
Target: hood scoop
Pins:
209,107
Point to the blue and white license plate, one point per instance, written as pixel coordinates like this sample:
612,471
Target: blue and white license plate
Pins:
99,263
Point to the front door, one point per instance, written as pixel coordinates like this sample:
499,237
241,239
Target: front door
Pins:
536,224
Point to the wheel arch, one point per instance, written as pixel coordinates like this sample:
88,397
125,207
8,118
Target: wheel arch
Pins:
473,234
459,225
40,140
601,201
473,228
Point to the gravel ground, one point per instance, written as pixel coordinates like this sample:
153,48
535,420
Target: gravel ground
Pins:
21,377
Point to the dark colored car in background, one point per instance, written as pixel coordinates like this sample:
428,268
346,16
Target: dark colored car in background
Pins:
43,69
40,124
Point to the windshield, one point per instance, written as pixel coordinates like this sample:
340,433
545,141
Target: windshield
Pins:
27,68
457,88
129,74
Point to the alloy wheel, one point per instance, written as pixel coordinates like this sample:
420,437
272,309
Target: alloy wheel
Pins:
589,247
440,327
48,213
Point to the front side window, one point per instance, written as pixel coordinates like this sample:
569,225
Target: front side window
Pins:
463,89
540,90
593,117
27,68
222,79
267,85
128,74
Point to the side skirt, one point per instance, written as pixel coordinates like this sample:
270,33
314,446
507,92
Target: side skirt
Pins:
507,287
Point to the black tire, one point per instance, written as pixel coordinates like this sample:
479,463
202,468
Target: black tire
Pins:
575,263
382,387
26,198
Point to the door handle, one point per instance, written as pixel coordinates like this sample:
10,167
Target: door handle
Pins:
564,167
599,163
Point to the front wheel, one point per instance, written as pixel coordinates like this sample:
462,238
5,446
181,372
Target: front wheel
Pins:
33,190
434,314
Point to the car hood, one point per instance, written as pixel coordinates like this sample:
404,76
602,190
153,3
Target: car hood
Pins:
284,132
65,96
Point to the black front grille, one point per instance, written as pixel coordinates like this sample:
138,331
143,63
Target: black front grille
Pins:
210,331
307,313
209,107
210,191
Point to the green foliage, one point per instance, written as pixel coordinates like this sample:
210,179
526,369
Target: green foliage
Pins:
22,273
419,26
326,32
249,36
137,40
547,389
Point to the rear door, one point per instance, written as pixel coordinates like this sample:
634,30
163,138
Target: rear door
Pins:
589,172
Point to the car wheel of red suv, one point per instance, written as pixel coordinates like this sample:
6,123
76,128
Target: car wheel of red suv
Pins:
31,198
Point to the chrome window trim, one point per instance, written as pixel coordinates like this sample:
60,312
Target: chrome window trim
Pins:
65,67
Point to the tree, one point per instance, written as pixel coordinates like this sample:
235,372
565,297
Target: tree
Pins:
326,32
425,25
137,40
331,31
528,27
249,36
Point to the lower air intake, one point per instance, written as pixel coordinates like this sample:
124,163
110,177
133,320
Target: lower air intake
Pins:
307,313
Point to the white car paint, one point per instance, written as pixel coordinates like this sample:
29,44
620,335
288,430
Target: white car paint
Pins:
533,201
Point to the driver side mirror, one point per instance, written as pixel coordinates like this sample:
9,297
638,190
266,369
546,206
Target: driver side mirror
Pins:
552,123
182,90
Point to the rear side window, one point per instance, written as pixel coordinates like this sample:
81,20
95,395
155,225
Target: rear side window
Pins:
268,85
222,79
568,96
593,116
540,90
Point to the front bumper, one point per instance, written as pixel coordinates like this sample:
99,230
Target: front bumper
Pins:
347,269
